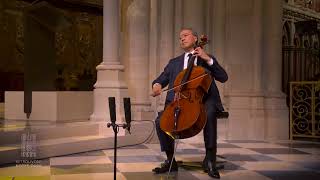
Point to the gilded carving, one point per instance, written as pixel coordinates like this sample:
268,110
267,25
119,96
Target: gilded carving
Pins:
78,47
76,52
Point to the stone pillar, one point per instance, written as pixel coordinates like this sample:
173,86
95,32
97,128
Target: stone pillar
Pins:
256,105
216,28
110,73
154,37
218,34
193,15
137,52
276,112
167,39
243,91
178,23
166,32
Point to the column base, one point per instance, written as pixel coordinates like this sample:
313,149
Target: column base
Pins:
257,116
110,83
277,116
246,116
142,111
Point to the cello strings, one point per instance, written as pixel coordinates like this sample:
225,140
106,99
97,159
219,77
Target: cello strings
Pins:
185,82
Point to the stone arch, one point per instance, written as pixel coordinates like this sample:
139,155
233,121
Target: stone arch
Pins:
286,42
315,41
286,34
296,41
306,43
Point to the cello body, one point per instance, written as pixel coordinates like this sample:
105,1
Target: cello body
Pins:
186,116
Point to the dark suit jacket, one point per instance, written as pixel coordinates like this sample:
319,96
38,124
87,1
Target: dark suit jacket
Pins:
175,66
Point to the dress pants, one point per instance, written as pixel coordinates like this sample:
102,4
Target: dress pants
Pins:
209,132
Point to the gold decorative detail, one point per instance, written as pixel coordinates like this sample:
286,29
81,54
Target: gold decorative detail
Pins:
78,47
76,51
305,109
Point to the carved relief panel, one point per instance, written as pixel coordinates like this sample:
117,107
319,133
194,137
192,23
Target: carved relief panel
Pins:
78,48
78,51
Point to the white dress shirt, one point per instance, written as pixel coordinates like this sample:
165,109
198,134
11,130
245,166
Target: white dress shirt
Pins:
185,63
186,58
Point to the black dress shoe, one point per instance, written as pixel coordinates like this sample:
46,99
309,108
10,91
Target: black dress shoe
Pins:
205,164
164,167
210,168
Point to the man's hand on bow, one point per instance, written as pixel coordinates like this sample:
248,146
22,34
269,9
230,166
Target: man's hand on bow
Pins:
156,89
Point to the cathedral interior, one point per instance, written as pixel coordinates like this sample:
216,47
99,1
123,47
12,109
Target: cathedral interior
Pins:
60,61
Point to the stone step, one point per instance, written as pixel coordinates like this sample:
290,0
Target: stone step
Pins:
70,139
13,134
65,146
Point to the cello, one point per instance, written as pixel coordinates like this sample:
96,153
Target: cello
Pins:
186,115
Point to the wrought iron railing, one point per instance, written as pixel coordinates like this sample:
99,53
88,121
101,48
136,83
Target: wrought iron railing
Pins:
305,109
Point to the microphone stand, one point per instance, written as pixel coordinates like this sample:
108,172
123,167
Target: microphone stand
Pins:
115,128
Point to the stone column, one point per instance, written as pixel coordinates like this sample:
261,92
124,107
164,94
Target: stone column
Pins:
216,25
218,35
137,52
256,105
275,107
272,44
167,39
154,37
110,73
243,59
166,32
178,23
193,15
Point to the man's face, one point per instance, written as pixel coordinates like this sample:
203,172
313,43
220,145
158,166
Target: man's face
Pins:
187,40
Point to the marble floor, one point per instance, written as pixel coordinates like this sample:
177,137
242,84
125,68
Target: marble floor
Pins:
238,159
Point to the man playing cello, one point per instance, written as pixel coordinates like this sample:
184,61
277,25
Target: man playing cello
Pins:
212,101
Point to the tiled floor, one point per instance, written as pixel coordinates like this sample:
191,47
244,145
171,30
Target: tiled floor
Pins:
241,160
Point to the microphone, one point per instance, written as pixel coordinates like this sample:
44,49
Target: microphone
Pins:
127,112
112,109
